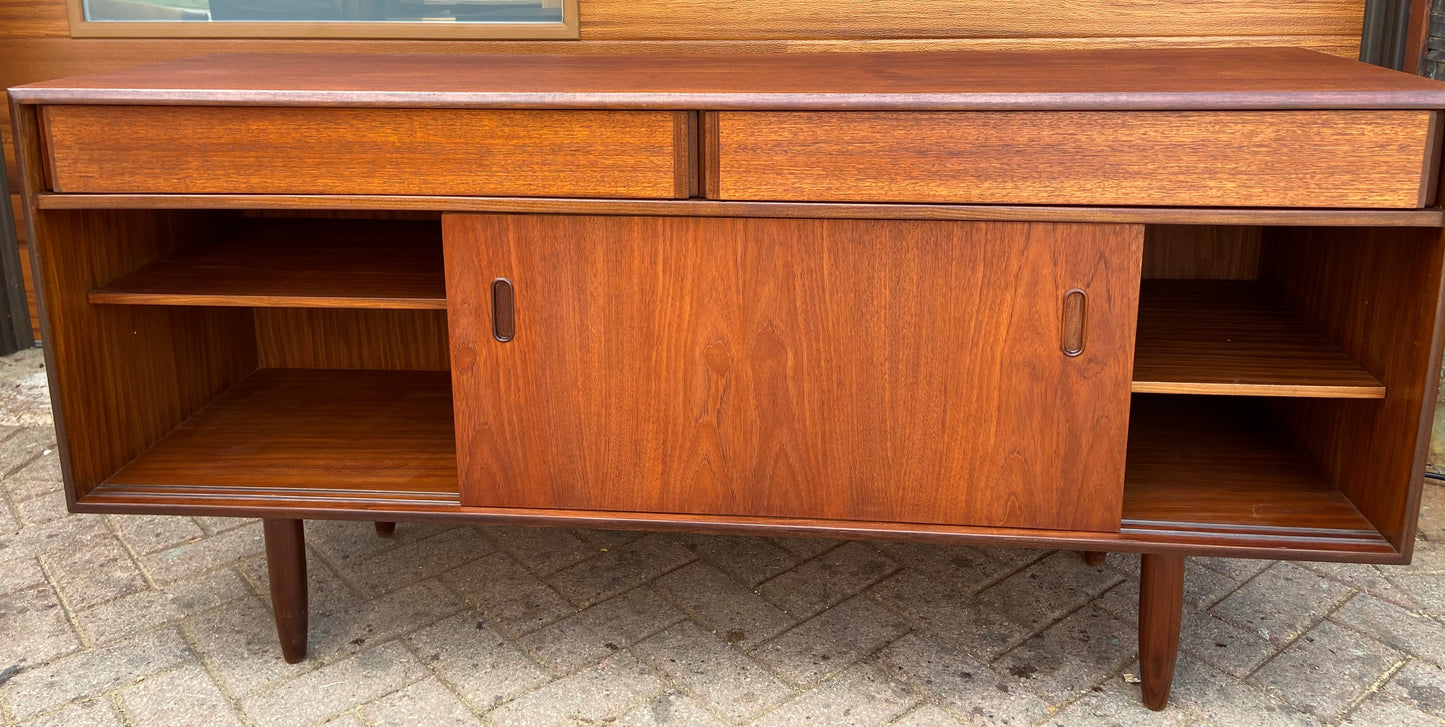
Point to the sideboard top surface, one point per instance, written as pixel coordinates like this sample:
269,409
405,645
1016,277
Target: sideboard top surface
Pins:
1122,79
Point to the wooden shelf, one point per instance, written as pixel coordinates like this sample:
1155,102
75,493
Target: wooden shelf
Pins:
318,432
1230,337
1217,470
289,263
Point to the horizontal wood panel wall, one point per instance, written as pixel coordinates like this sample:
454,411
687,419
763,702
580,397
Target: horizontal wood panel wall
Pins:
35,40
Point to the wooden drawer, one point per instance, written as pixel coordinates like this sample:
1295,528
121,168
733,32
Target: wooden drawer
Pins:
890,371
239,150
1193,158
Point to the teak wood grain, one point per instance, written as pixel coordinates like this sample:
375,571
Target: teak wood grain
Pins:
887,371
339,338
298,264
1116,79
1218,466
207,149
123,376
293,429
1208,252
1235,338
1172,216
286,573
1378,294
1369,159
994,19
1161,603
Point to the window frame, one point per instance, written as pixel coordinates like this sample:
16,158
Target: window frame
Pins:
81,27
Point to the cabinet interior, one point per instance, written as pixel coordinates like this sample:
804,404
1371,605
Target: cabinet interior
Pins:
312,355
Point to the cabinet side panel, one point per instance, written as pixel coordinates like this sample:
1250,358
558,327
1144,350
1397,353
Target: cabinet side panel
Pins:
1377,292
893,371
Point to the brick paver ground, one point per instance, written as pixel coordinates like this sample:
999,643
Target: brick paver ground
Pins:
164,621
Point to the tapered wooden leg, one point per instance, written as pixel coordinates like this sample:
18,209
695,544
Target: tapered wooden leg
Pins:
1093,557
385,529
286,565
1161,598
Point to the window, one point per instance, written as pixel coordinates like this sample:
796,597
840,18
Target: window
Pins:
519,19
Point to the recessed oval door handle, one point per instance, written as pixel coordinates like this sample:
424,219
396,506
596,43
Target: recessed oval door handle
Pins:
1075,312
504,320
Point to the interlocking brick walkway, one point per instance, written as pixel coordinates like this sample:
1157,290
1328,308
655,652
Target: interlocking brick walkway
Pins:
164,621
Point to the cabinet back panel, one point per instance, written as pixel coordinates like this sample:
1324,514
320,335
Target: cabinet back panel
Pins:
1202,252
327,338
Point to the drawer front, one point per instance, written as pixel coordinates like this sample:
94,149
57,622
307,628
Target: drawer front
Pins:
889,371
246,150
1204,159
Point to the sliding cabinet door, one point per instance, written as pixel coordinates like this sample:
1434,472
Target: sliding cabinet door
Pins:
897,371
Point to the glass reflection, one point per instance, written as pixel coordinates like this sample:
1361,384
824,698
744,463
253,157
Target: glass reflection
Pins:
366,11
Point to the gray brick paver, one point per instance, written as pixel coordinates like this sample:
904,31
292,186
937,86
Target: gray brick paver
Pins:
145,610
483,666
1281,602
44,687
725,606
1048,590
509,594
543,551
1380,711
335,688
832,640
1421,685
34,628
20,574
673,709
426,702
730,682
1117,703
1327,669
750,560
943,607
399,567
1072,655
186,696
966,687
199,556
828,579
620,568
927,715
93,570
612,686
860,696
1396,627
99,712
602,629
150,533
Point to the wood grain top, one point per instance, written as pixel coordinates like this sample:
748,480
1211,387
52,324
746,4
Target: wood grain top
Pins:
1125,79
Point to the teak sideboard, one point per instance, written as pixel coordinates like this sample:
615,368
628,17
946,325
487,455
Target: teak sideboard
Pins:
1174,302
